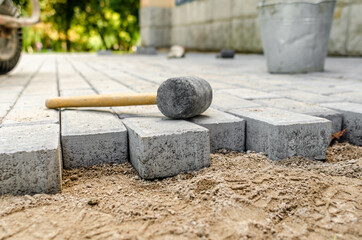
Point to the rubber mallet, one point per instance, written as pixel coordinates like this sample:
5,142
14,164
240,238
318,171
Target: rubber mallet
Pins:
177,98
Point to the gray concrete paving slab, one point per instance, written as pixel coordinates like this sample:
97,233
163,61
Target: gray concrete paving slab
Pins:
30,159
281,134
352,120
31,115
138,111
305,108
77,92
161,147
225,102
4,109
10,94
355,97
308,97
249,94
226,130
91,137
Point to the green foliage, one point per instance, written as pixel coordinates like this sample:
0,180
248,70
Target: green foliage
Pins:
83,25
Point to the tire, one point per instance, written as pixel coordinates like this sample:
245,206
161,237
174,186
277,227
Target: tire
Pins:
9,56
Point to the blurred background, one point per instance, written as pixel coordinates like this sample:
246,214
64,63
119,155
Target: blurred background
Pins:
201,25
82,25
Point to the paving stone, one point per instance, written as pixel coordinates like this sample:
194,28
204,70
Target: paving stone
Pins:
218,85
355,97
252,83
138,111
4,108
77,92
318,90
44,88
73,82
226,131
9,94
352,120
225,102
307,97
92,137
31,115
281,134
111,87
249,94
161,147
306,108
31,101
30,159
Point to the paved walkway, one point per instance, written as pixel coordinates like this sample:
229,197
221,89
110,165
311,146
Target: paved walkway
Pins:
281,115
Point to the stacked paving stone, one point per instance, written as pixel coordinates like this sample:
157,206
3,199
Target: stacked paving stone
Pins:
279,115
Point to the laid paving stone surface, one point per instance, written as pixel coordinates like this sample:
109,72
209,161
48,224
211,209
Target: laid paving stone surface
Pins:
226,130
239,85
352,120
306,108
281,134
30,159
161,147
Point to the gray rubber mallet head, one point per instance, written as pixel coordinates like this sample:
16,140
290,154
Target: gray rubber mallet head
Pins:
184,97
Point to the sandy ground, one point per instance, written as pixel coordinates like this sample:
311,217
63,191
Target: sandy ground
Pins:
240,196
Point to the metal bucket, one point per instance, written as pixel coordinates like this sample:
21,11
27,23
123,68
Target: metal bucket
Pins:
295,35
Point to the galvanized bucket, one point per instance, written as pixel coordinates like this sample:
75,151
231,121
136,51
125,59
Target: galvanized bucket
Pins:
295,35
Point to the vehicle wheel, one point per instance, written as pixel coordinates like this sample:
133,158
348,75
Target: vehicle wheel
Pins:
11,41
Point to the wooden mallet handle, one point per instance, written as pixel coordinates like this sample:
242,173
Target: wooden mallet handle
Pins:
108,100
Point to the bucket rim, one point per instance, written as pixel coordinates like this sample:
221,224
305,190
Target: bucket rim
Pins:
264,4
